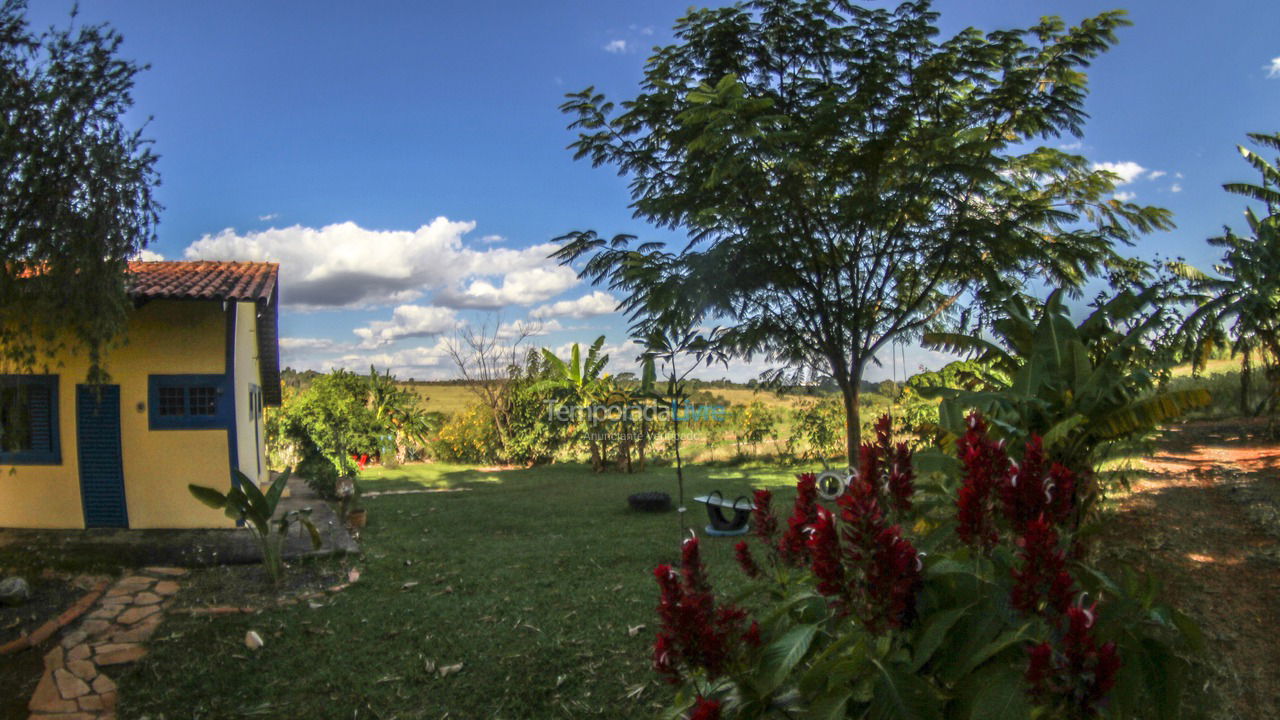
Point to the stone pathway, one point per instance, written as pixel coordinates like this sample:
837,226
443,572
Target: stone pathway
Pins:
76,684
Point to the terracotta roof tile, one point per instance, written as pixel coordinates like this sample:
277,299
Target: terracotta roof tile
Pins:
234,281
203,280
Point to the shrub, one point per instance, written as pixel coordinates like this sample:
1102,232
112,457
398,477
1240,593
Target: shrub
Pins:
953,598
469,436
331,420
818,430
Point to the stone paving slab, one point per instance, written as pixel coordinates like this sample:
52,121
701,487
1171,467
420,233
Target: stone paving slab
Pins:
75,684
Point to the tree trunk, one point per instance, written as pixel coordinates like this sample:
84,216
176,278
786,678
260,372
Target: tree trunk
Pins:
675,421
643,443
1246,368
852,391
593,445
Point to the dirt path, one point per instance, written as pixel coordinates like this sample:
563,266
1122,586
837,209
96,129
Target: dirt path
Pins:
1203,520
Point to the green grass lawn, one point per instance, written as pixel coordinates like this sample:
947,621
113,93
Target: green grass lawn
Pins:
531,579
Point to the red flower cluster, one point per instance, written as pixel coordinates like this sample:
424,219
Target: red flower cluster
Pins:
887,467
824,544
985,466
901,478
1024,492
875,571
694,632
705,709
745,559
1030,491
791,549
1081,674
1042,575
762,518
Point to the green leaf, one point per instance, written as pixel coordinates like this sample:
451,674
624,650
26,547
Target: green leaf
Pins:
998,692
277,489
1006,640
933,633
209,496
312,531
1190,630
830,706
781,656
903,696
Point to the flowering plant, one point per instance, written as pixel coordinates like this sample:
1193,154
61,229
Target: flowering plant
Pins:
910,597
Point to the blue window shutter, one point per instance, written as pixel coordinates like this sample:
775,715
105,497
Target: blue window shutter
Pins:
41,418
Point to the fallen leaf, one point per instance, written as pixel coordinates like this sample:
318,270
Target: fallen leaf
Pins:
353,574
409,584
252,640
448,670
633,631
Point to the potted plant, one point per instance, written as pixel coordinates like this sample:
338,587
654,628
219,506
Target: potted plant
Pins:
352,512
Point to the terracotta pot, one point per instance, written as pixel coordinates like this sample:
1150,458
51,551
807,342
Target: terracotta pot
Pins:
357,518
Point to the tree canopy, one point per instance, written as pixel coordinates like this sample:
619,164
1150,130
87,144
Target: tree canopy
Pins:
847,178
75,188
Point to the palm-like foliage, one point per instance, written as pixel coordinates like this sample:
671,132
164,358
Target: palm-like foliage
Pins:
583,382
398,412
1241,304
247,505
1083,388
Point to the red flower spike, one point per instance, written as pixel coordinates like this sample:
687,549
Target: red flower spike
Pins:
1077,676
986,464
1041,576
705,709
694,632
766,524
893,581
901,478
695,575
824,546
746,561
791,548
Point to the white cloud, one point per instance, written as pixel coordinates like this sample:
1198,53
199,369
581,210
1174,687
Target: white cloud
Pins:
597,303
519,287
1273,70
1071,146
422,362
1156,174
492,239
1176,187
1124,197
147,256
616,46
345,265
1127,170
307,343
268,217
527,328
407,321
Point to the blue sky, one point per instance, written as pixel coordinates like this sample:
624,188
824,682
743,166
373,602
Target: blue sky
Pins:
406,161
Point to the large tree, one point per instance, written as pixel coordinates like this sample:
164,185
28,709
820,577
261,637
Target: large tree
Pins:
846,178
75,189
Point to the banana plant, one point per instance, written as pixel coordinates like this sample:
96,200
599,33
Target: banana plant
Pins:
584,382
246,504
1084,389
1240,305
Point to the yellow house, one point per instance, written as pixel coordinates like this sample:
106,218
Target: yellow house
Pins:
189,381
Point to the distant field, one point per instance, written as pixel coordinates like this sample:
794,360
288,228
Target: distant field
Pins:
452,397
446,398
